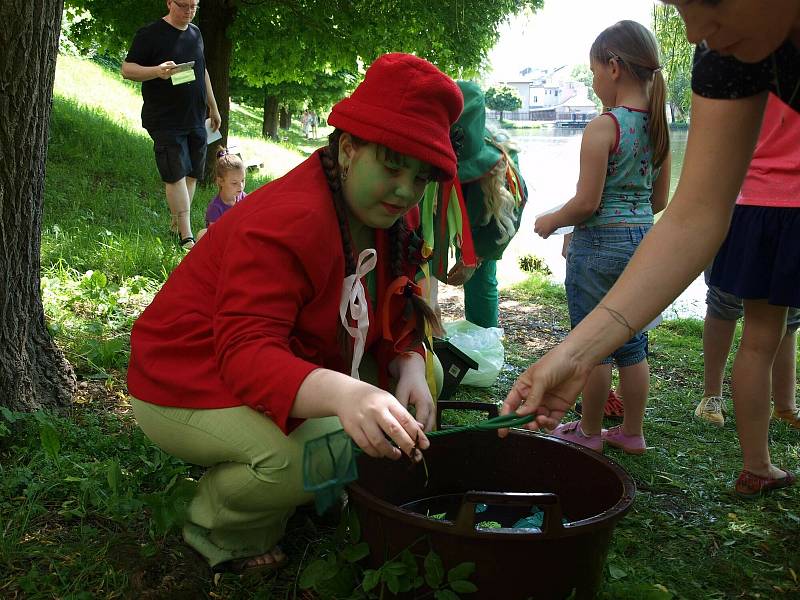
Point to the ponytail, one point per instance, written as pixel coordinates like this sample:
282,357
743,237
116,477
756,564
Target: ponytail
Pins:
636,48
659,129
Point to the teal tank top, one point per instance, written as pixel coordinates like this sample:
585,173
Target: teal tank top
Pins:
628,190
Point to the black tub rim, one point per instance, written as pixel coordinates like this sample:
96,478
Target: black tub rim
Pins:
607,518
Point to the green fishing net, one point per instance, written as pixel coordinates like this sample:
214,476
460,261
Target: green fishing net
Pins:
329,462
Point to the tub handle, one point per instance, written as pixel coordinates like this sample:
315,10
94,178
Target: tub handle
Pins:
548,502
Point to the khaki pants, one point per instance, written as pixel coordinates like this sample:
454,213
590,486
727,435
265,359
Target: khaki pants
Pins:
255,476
255,479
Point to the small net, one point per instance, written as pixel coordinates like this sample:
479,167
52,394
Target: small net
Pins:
329,462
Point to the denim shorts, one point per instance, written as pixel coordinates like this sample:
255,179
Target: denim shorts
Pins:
728,307
596,258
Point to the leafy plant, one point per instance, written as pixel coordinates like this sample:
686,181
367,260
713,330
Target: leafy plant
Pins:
534,264
337,572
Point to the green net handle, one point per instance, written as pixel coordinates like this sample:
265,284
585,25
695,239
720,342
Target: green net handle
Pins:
501,422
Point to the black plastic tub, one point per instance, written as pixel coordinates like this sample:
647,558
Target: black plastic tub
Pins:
564,480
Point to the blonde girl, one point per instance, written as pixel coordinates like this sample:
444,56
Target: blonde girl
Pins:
623,182
230,176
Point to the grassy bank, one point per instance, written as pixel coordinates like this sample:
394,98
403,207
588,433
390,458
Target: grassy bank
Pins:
89,508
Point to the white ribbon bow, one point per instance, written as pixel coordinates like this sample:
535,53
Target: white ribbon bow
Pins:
353,295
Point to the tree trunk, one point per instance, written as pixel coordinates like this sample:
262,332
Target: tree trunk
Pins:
269,128
33,371
215,18
285,118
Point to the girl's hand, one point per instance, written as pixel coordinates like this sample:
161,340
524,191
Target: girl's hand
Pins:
547,389
545,225
459,274
412,387
373,417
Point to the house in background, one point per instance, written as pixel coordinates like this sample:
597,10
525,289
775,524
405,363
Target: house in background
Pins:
547,98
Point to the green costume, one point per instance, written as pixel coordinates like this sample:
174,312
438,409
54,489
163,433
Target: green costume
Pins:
478,154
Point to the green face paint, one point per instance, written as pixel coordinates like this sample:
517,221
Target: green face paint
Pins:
383,185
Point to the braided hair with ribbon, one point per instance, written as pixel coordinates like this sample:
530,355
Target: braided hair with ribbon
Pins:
404,249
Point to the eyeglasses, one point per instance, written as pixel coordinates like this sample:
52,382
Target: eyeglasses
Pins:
192,6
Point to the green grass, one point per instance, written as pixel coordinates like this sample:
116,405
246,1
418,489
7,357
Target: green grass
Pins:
89,508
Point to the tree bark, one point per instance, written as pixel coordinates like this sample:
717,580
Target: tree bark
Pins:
33,371
215,18
269,128
285,118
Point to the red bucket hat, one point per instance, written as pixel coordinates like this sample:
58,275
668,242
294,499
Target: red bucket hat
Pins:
406,104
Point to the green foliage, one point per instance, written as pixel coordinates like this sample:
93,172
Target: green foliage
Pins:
503,98
68,485
583,74
534,264
336,572
276,43
676,56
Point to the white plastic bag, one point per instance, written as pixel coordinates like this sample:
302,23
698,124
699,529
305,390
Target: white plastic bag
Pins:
483,345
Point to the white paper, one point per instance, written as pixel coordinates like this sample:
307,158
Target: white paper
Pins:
561,230
212,136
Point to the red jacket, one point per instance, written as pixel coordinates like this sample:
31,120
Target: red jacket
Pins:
254,307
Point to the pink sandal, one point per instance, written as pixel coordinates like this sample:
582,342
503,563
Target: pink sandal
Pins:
629,444
572,432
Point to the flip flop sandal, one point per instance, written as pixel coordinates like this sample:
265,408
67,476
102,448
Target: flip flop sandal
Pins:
614,407
749,485
183,241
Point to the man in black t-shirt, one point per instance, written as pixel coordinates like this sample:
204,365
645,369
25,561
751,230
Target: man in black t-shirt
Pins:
167,57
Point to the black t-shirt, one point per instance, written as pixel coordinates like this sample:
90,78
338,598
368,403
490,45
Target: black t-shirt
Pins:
167,106
715,76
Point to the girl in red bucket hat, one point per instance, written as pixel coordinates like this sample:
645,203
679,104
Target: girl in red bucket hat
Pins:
295,316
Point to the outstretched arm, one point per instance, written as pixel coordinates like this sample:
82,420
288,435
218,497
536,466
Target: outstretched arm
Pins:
598,141
721,141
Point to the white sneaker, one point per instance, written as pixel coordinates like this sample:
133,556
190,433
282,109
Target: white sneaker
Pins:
712,410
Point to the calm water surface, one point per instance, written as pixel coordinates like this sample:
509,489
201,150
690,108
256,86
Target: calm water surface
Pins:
549,160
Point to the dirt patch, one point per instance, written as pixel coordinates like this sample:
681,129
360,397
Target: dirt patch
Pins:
173,571
534,328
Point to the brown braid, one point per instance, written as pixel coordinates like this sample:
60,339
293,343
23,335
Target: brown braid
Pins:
330,166
329,157
400,241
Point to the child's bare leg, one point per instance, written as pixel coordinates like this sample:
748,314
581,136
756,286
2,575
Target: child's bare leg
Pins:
635,379
595,394
764,325
784,373
717,340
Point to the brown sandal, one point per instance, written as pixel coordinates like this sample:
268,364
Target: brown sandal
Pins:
245,566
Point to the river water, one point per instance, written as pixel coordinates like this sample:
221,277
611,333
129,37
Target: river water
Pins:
549,161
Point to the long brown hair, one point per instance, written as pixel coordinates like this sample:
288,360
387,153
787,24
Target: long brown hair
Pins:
637,50
403,244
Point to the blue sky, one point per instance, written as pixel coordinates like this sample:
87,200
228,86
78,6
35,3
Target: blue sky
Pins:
560,33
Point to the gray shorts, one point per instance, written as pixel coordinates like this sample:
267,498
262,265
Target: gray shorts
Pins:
727,307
